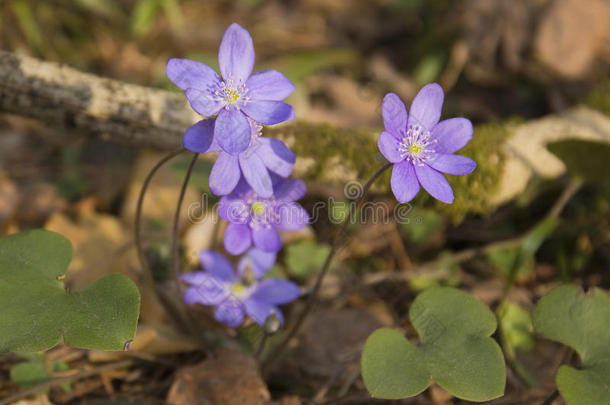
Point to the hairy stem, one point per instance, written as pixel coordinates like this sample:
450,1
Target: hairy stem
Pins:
261,347
175,229
138,217
336,244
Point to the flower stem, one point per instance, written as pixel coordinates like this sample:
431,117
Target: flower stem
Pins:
336,244
261,347
175,255
138,216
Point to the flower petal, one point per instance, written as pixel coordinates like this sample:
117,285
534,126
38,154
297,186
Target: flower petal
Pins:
266,239
451,135
256,174
394,114
210,291
237,238
451,164
204,102
434,183
260,262
292,217
276,291
186,73
269,85
199,137
216,265
259,311
426,107
276,156
404,182
230,312
232,131
388,146
225,174
268,112
236,54
289,190
233,209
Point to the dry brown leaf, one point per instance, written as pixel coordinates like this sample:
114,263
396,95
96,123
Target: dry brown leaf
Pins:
230,378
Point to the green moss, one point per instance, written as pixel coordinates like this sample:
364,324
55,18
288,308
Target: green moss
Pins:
473,192
355,150
599,98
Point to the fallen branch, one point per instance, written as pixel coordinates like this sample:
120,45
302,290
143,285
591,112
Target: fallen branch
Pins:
507,156
64,97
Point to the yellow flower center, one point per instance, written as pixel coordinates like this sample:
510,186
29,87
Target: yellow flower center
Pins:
232,96
238,288
415,149
258,208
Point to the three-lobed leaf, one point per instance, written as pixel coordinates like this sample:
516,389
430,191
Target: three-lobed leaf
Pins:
305,258
582,322
36,310
455,351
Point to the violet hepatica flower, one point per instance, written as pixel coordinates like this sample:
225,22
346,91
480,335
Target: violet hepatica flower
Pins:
236,95
264,155
421,147
236,293
255,220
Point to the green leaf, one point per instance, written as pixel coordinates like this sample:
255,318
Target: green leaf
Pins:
456,350
36,310
34,371
25,17
338,211
392,368
305,258
144,16
299,65
174,14
589,160
429,68
29,373
516,330
422,224
517,261
580,321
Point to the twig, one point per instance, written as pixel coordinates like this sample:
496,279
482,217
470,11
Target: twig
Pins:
471,253
565,196
334,247
62,380
551,398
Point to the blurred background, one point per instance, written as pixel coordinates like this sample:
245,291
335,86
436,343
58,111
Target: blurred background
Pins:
530,68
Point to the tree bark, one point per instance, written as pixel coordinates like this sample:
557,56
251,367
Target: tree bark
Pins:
64,97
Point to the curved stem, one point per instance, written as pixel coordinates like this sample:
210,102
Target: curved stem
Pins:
337,242
175,255
261,347
138,216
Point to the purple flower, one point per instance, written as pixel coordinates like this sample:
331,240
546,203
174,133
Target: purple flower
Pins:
264,155
238,94
236,294
256,220
422,148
